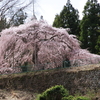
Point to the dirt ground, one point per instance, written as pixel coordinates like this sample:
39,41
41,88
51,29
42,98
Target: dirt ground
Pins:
16,95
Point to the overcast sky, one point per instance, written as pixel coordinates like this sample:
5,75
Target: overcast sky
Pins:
49,8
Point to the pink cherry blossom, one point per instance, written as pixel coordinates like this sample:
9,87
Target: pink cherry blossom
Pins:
40,46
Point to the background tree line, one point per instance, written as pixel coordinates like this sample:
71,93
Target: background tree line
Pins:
87,29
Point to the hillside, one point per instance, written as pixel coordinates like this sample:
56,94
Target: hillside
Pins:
74,79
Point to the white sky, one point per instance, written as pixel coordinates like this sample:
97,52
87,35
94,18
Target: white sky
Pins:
49,8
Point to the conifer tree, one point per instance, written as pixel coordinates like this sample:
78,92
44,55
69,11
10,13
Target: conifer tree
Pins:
90,25
3,23
98,45
68,18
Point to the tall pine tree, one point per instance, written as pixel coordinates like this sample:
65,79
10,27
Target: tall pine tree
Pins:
68,18
90,25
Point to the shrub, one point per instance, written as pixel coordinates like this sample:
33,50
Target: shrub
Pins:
54,93
58,92
68,98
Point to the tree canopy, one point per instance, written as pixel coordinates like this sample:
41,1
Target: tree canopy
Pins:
68,18
98,45
90,26
41,46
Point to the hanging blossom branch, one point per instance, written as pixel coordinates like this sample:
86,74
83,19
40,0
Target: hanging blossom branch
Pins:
41,46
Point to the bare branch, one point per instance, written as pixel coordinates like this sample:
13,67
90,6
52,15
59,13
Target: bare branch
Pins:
9,5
